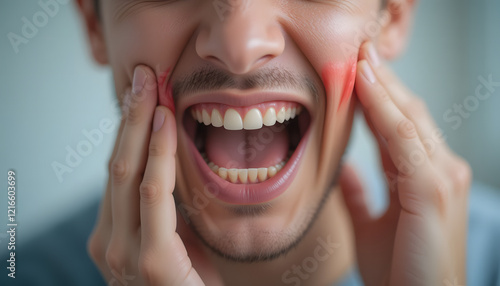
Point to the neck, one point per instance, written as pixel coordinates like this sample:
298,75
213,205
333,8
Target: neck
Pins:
323,257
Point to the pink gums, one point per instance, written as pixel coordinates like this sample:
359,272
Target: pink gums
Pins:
339,78
165,89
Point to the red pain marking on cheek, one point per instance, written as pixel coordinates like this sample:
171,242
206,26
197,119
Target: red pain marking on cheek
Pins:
349,82
338,79
165,90
328,74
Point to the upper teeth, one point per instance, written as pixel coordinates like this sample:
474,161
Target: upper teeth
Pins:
253,119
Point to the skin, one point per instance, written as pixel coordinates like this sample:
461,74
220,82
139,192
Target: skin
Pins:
151,45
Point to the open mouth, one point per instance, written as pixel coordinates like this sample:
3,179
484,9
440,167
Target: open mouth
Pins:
251,152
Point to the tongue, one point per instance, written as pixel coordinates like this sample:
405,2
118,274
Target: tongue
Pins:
243,149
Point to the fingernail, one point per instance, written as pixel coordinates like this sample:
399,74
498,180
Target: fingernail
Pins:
139,80
158,120
373,55
368,72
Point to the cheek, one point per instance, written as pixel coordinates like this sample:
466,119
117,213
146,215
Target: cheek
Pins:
338,79
142,38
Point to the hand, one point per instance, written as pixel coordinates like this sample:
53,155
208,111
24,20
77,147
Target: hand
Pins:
421,238
135,241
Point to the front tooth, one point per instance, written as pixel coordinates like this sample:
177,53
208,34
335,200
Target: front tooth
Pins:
252,175
280,117
288,113
216,118
243,175
199,116
206,117
262,174
253,120
232,120
223,173
294,112
271,171
233,175
270,117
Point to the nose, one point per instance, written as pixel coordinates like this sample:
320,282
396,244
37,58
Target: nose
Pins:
242,38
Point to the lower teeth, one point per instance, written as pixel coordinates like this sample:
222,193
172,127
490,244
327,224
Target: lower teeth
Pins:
244,176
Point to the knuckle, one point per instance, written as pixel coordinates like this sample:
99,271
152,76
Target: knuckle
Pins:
149,191
429,146
119,171
96,248
110,166
148,268
156,150
461,174
114,257
406,129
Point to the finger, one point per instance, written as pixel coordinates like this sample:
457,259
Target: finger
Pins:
98,240
403,143
105,206
386,117
390,171
157,207
128,165
413,107
354,196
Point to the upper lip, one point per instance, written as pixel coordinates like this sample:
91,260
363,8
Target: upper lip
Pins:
242,99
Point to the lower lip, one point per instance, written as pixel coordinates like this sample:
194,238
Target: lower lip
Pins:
248,194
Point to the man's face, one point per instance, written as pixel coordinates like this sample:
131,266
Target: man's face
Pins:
271,82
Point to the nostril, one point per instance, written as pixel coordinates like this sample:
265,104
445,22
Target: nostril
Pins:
264,60
215,60
212,58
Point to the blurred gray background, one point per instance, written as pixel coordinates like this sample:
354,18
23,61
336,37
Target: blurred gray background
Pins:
52,94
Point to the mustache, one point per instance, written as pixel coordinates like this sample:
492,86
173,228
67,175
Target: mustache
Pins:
210,79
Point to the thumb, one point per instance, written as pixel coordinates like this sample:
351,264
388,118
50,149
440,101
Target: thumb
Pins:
354,195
